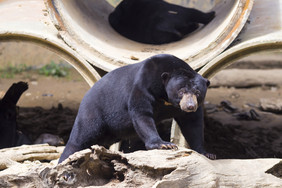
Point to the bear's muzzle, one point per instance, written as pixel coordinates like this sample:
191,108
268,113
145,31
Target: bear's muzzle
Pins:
189,103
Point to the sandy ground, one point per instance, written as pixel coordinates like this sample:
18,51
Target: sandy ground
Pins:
225,135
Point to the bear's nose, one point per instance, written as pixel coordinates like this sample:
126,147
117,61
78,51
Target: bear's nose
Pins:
191,107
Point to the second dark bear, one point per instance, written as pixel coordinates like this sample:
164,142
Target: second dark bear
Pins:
130,101
156,21
9,135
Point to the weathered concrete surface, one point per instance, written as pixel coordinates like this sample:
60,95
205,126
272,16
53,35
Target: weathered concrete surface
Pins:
156,168
247,78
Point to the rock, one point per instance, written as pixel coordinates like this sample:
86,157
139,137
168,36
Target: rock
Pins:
51,139
271,105
155,168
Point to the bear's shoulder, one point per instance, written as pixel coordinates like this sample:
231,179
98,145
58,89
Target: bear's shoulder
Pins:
165,63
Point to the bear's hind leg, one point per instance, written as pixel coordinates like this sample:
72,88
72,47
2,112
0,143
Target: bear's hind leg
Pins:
69,150
196,16
84,134
205,18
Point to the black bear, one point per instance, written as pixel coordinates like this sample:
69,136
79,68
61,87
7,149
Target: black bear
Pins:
156,21
130,101
9,135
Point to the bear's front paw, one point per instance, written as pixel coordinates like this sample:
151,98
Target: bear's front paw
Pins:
161,145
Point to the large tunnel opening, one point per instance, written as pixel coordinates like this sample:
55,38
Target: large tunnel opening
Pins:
86,22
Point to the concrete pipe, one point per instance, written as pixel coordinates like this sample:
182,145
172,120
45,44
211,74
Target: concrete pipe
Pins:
83,25
29,21
263,32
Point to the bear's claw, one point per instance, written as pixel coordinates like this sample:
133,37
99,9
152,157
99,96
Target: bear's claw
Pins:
161,145
168,146
210,156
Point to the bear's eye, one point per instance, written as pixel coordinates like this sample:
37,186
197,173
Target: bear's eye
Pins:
181,92
197,93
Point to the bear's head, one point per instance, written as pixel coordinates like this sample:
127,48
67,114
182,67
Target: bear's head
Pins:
186,89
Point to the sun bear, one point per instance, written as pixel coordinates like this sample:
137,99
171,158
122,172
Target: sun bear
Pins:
156,21
132,100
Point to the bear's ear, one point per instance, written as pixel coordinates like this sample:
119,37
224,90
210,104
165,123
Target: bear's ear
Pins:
165,77
208,83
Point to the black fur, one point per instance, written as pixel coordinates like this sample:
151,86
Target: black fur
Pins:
130,102
9,135
156,21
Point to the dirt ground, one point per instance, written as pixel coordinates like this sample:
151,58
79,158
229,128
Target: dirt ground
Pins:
231,137
50,106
